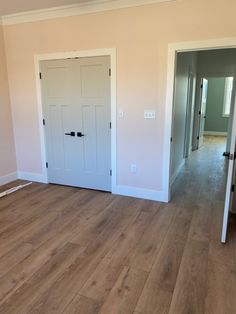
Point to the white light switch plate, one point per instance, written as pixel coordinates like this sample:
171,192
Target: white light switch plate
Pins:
121,114
149,114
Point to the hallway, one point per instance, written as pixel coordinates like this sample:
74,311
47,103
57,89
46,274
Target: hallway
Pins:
203,168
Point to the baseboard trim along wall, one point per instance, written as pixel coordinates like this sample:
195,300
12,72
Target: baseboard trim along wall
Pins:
8,178
213,133
29,176
123,190
177,171
147,194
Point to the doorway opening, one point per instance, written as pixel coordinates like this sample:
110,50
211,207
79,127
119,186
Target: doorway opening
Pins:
203,130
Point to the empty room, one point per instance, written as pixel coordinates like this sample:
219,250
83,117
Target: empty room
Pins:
117,156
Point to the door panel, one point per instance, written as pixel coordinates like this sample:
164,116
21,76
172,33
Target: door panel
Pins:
94,99
92,81
230,180
188,120
202,111
76,98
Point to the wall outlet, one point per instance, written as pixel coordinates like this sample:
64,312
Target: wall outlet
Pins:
149,114
133,168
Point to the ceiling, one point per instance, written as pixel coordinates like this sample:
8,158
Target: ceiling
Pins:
17,6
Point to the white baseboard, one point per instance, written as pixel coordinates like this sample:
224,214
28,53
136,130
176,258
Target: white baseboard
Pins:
152,195
29,176
147,194
8,178
213,133
177,171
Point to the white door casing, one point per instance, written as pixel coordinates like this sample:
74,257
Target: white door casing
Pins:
173,49
111,52
225,43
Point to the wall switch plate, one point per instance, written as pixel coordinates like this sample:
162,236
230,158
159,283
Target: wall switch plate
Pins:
149,114
121,114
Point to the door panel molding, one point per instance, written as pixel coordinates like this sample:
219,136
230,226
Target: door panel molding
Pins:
78,54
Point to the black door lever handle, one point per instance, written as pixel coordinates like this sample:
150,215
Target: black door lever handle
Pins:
70,134
79,134
229,155
226,154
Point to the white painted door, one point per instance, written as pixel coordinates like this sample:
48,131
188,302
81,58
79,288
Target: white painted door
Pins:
77,113
230,181
202,112
187,144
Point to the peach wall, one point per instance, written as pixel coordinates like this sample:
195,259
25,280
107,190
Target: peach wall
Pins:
141,36
7,149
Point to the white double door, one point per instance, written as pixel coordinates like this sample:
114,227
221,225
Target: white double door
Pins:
77,113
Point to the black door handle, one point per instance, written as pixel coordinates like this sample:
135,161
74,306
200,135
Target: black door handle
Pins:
230,156
70,134
79,134
226,154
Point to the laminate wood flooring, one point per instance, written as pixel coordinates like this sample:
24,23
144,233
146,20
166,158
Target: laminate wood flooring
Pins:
76,251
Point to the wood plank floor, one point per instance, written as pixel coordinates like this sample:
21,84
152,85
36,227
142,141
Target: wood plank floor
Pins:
68,250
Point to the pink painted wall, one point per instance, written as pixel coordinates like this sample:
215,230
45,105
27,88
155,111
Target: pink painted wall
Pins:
141,36
7,148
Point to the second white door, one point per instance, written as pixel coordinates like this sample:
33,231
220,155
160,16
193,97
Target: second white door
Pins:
77,112
202,112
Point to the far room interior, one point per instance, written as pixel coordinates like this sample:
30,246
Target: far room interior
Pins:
203,113
117,156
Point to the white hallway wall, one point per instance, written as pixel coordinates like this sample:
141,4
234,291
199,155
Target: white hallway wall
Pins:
186,62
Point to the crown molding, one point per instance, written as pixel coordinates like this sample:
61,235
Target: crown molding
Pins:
73,10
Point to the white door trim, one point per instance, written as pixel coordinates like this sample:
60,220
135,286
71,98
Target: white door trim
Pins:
80,54
173,48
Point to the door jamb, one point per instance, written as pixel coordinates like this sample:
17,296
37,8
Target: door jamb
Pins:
78,54
173,49
198,111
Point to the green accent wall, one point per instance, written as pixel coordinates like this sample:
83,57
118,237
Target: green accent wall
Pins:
215,122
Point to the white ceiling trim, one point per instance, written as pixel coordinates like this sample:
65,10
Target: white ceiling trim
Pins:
72,10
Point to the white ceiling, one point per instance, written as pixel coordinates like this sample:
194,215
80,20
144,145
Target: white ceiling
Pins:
17,6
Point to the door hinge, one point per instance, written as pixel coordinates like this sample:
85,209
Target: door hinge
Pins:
40,75
201,86
46,164
110,172
198,138
110,125
232,188
171,139
109,72
43,121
